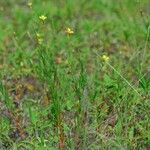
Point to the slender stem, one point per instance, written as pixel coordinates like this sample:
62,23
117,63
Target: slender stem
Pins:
123,78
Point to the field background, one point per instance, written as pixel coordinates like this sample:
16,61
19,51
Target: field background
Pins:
56,89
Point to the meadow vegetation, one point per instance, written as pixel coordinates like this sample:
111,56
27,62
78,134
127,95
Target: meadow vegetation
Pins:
74,75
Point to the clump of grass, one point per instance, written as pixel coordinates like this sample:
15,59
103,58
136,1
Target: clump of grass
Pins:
5,97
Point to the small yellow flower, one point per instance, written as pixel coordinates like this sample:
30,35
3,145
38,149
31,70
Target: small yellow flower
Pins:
38,35
105,58
69,31
40,40
42,17
21,64
30,4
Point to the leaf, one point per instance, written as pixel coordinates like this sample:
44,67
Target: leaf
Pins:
33,115
131,133
118,128
4,96
109,82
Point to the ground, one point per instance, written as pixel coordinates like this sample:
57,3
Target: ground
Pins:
74,74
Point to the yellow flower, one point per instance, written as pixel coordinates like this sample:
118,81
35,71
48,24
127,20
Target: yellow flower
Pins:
38,35
69,31
30,4
39,38
105,58
40,41
42,17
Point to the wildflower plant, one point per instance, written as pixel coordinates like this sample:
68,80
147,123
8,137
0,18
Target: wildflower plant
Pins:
43,18
69,31
62,89
29,4
105,58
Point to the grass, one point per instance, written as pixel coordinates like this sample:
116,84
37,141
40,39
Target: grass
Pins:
74,75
